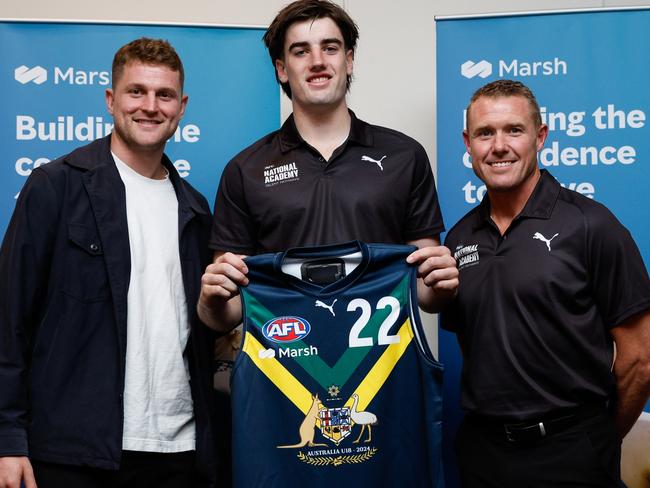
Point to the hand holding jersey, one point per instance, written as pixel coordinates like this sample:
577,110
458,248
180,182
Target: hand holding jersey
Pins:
220,307
437,273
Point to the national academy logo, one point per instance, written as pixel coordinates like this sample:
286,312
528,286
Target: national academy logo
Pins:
276,174
466,255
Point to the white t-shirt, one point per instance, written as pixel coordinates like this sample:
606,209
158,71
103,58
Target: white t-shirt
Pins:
158,409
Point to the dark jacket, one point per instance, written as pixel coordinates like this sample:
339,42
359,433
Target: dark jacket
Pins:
64,277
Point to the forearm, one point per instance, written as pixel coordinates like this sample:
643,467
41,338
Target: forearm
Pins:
429,300
631,369
633,389
220,315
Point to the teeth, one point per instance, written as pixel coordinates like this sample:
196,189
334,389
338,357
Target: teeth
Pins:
318,80
501,164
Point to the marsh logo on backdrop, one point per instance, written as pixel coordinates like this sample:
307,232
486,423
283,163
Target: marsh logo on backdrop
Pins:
470,69
36,75
67,75
515,68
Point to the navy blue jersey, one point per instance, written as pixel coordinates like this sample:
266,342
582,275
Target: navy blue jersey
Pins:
335,384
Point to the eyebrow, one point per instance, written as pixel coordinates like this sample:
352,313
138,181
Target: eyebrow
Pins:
143,86
331,40
475,131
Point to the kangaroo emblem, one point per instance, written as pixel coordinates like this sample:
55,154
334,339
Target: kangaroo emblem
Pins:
328,307
378,163
540,237
307,427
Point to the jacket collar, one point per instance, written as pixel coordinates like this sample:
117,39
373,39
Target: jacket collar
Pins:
97,156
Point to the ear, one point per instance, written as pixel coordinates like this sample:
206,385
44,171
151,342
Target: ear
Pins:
184,100
349,62
281,70
109,100
466,139
542,133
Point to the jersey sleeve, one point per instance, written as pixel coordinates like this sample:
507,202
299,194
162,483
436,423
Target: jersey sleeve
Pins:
232,228
617,274
424,218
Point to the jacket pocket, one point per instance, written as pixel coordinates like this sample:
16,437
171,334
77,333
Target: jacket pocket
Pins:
87,278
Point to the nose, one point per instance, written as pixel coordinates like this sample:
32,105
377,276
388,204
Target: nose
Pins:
150,103
317,59
500,145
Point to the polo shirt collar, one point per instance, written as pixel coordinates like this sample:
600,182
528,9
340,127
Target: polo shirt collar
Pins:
539,205
290,138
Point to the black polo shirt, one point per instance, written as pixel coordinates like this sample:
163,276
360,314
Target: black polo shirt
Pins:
535,305
281,193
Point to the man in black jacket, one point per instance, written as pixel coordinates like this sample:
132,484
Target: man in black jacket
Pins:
99,275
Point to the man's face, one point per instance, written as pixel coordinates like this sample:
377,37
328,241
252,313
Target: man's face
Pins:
315,64
146,104
503,139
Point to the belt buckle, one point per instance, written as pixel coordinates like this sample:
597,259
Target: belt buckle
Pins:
511,436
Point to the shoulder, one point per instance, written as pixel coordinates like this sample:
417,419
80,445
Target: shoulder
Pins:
398,147
260,150
386,137
595,215
80,159
465,224
62,168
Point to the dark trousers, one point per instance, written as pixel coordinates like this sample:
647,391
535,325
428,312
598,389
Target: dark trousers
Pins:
585,454
138,470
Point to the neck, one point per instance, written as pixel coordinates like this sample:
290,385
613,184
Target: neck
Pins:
148,163
505,206
325,129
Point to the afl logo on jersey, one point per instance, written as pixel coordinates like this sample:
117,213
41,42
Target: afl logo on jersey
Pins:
286,329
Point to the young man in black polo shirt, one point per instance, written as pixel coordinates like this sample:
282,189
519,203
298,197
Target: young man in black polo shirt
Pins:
549,281
325,176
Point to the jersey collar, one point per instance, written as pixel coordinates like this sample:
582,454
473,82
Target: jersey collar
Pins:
330,250
539,206
290,138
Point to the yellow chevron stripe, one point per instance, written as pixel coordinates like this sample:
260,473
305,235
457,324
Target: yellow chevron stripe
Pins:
278,374
382,369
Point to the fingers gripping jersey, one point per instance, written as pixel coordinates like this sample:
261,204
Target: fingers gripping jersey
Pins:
335,384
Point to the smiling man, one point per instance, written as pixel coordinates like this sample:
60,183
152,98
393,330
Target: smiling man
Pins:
99,273
550,281
325,176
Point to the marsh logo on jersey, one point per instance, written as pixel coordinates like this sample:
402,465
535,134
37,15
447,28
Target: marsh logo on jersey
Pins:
286,329
276,174
466,255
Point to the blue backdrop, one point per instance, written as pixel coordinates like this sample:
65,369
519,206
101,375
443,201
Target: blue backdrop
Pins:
53,77
589,72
